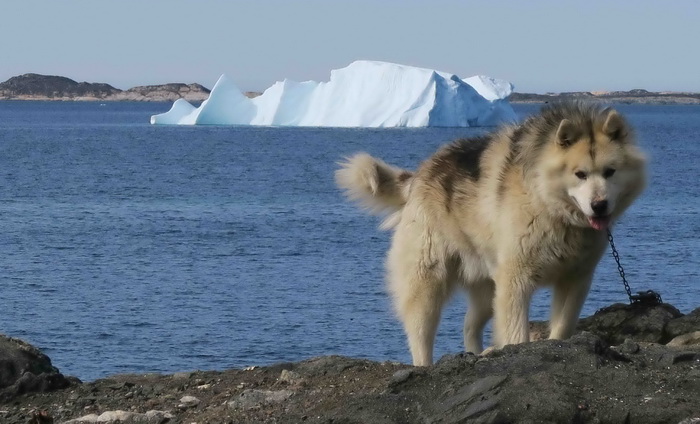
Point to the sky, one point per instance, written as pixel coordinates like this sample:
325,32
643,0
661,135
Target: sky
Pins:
540,46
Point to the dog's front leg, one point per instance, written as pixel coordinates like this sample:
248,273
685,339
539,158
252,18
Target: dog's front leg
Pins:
567,300
514,289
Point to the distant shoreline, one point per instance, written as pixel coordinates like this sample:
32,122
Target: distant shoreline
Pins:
637,96
35,87
651,100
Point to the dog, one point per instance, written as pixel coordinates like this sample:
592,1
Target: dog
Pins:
500,215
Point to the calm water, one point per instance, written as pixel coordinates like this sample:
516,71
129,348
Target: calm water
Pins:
133,248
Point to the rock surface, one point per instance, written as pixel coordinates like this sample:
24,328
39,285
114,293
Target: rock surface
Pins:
24,369
580,380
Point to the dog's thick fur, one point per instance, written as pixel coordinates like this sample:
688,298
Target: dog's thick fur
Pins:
499,216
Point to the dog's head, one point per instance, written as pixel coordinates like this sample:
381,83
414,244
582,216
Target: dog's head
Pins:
594,166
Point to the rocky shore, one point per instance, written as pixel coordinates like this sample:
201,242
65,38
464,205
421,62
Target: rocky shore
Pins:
627,364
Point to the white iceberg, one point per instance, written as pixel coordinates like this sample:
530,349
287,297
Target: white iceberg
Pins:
363,94
490,88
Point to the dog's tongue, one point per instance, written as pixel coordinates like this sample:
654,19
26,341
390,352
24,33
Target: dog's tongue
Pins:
599,222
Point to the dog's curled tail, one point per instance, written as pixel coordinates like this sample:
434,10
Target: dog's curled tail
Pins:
378,187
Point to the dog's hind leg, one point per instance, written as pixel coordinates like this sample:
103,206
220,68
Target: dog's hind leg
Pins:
479,311
567,300
420,318
418,281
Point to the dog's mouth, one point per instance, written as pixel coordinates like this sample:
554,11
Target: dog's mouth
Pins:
599,223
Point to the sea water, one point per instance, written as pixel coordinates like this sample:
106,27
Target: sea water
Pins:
131,248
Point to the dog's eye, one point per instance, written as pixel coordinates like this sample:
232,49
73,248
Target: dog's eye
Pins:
581,175
608,172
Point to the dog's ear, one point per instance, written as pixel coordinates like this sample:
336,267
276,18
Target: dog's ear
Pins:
568,133
614,126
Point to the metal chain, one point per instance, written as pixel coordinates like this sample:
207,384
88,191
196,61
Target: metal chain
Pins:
648,297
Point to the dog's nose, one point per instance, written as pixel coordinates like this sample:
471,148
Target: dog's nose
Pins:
600,207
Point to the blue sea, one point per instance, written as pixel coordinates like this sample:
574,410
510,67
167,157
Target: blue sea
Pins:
131,248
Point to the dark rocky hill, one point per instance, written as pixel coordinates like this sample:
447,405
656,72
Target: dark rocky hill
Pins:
49,87
53,87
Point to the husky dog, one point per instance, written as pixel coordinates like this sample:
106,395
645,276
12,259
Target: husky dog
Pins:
499,216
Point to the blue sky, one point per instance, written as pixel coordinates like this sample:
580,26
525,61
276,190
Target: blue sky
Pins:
538,45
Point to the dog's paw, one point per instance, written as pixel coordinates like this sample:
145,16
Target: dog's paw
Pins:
488,351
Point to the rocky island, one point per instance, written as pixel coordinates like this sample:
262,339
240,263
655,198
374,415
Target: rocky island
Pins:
48,87
627,364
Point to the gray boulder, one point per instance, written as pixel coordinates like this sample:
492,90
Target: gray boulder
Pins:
684,325
641,323
24,369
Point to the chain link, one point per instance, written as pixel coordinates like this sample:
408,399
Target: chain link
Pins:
647,297
620,269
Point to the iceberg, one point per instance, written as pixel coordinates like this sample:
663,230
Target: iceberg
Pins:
363,94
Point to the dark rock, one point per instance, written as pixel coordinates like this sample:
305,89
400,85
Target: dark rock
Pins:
672,358
182,375
290,377
24,369
252,398
401,376
188,402
470,401
629,347
328,365
18,357
683,325
638,322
